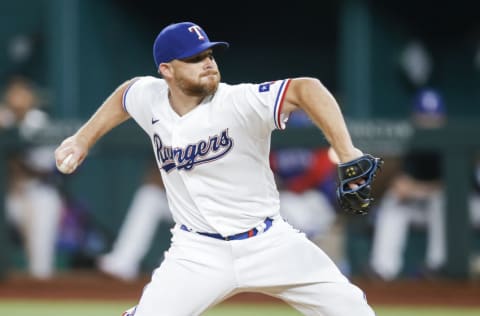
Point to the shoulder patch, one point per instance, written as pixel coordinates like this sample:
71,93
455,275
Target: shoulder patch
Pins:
264,87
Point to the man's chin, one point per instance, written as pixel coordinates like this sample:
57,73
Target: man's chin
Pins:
211,83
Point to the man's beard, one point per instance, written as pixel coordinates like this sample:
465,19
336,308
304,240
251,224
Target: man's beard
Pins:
199,88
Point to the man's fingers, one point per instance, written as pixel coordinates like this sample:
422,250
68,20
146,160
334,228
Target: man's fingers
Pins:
68,165
355,184
352,185
67,157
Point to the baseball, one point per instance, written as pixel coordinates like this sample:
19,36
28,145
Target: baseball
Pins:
66,166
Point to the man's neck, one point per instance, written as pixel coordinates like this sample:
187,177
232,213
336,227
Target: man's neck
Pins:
182,104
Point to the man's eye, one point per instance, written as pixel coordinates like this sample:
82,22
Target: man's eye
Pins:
198,58
193,60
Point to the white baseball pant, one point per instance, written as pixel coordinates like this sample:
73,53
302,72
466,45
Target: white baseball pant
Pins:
199,272
391,233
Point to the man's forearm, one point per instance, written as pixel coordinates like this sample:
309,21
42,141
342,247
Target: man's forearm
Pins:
108,116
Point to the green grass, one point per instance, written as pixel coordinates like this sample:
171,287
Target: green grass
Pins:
76,308
82,308
426,311
252,310
58,308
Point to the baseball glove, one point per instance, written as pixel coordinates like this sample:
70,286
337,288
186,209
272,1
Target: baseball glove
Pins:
357,200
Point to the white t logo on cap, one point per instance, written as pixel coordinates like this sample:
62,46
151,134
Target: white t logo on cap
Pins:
196,29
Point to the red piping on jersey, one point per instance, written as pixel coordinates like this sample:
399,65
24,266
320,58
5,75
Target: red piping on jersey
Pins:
280,105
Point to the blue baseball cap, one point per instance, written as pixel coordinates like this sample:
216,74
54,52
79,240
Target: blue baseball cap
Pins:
181,40
429,102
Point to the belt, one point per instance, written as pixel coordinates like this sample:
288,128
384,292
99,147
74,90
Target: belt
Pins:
267,223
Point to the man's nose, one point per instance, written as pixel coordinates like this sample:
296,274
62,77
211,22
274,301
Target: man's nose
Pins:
208,62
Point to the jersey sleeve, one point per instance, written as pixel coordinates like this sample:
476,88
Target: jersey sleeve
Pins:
262,104
136,100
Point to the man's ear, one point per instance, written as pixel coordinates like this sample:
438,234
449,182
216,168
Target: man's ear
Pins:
164,70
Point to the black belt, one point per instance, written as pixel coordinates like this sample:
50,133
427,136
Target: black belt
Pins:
249,233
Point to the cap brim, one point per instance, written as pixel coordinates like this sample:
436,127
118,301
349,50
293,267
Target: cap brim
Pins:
214,45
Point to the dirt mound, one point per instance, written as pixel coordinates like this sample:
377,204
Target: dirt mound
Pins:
92,285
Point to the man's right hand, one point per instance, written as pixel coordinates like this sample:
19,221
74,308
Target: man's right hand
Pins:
70,154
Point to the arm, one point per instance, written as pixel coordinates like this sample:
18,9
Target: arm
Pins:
310,95
109,115
406,187
355,176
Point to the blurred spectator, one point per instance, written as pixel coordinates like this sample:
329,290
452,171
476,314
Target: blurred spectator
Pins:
416,62
415,196
33,204
306,181
300,119
300,169
308,210
475,217
148,208
306,176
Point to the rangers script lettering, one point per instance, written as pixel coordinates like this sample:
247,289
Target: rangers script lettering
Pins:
186,158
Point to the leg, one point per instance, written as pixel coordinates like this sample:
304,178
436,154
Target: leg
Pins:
197,273
284,263
390,237
326,299
133,241
436,237
474,209
42,228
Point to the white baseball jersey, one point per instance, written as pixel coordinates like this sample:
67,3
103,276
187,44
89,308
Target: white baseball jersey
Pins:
214,160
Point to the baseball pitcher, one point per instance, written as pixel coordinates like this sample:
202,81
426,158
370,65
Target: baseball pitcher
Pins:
211,141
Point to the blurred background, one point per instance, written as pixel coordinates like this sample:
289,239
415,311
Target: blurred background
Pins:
405,73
